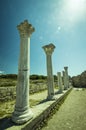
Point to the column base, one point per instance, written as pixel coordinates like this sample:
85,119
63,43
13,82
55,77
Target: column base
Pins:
22,117
60,92
65,88
51,97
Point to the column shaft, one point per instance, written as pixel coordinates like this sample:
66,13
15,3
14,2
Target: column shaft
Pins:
22,112
23,74
64,80
66,77
48,51
60,82
50,77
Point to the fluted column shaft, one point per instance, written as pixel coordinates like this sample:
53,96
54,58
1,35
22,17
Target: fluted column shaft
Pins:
22,112
50,76
64,80
66,77
60,86
48,51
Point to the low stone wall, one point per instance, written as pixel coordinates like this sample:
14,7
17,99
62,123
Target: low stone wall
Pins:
37,87
9,93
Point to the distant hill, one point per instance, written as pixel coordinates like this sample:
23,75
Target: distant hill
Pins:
32,77
9,76
14,76
79,80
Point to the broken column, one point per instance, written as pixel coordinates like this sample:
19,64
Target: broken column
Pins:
49,50
60,86
66,77
22,112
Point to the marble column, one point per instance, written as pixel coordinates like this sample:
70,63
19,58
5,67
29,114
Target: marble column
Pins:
22,112
66,77
64,80
48,51
60,86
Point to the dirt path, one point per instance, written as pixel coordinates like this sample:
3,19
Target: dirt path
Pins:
41,95
72,113
7,108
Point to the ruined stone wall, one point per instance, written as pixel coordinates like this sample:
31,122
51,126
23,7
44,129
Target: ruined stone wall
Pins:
9,93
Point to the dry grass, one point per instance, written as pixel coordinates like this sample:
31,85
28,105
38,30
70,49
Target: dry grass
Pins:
7,108
7,82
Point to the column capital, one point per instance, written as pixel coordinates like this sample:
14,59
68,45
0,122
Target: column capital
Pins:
25,29
49,48
65,67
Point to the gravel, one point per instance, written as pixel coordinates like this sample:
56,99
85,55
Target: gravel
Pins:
72,113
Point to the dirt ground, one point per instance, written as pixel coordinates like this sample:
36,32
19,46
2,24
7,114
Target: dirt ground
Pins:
72,113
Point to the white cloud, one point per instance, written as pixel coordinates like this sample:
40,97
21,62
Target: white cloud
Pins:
1,72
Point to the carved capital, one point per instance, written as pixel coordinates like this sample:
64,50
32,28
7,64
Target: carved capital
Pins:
66,68
25,29
49,49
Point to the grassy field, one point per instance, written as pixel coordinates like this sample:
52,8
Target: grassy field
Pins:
36,86
7,82
6,108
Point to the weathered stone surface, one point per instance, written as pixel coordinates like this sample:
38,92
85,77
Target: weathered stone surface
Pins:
11,91
22,111
25,29
64,80
7,93
66,77
60,82
48,51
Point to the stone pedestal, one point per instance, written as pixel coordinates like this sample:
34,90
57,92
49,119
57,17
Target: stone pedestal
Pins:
22,112
49,50
66,77
60,86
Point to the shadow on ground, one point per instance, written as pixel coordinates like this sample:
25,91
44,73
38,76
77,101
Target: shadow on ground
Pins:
43,101
6,122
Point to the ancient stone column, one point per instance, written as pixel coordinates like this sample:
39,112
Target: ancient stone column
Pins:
22,112
60,86
49,50
64,80
66,77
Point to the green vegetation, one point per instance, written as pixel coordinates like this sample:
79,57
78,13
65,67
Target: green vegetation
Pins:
7,108
8,76
80,80
37,84
11,79
38,77
8,80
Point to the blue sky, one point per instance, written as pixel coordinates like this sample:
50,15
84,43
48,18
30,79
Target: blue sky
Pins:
61,22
